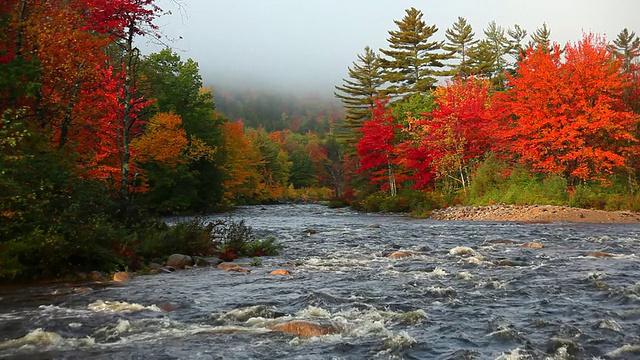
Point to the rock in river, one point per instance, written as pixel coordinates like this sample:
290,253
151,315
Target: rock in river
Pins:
179,261
305,328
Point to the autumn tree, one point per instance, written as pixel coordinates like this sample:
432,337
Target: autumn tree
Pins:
459,129
376,147
414,58
125,21
569,115
163,141
358,92
241,162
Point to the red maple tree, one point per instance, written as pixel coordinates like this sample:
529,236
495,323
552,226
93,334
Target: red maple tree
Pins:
568,114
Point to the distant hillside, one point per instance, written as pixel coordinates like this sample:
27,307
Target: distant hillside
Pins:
275,111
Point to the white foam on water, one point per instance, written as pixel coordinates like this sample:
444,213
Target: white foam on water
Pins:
462,251
395,342
153,330
624,350
597,275
610,324
246,313
438,272
314,312
561,354
465,275
515,354
442,291
119,306
40,338
494,284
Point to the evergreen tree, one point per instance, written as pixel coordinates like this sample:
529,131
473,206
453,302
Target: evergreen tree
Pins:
482,60
542,37
459,43
516,36
357,94
413,60
499,45
627,47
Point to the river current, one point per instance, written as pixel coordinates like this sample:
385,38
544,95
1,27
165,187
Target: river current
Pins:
469,290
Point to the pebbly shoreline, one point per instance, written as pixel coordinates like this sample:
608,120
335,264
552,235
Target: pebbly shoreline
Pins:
533,213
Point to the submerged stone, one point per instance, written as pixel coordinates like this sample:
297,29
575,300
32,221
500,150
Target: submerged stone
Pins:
305,328
532,245
600,254
280,272
399,255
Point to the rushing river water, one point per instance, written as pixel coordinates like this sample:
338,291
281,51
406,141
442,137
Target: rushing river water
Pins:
463,294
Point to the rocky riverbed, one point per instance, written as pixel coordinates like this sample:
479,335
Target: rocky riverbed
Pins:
534,213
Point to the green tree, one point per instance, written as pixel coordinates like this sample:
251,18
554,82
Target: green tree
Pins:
482,59
460,39
500,46
542,37
627,47
357,94
176,86
414,58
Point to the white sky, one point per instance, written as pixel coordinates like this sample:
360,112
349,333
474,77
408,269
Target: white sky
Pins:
307,45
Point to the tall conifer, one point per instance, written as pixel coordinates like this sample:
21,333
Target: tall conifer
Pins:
358,93
413,60
460,40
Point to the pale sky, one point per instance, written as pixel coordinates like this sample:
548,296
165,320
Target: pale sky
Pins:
306,46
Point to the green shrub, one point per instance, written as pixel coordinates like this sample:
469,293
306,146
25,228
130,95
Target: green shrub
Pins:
397,203
373,202
236,239
192,237
496,182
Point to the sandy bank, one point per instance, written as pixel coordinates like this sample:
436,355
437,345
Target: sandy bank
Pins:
534,213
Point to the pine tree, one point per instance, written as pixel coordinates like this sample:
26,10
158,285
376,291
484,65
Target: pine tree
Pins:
627,47
413,60
542,37
482,60
516,36
357,94
459,43
499,45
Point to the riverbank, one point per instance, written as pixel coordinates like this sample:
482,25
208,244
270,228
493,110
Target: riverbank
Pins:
534,213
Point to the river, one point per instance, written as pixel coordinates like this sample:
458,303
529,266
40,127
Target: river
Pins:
465,293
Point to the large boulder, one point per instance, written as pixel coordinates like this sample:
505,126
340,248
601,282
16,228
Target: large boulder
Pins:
179,261
200,261
122,276
305,328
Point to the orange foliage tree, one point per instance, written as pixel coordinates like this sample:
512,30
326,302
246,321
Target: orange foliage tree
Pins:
163,141
240,166
568,114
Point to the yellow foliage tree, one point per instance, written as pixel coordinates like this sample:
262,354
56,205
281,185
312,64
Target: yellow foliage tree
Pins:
163,141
